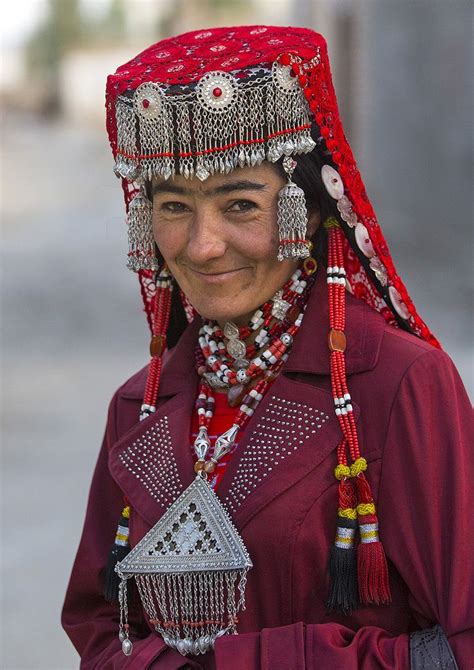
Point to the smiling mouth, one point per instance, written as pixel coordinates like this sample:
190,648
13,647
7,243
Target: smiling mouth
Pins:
216,274
215,277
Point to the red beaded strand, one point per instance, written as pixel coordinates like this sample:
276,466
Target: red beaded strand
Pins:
372,571
161,317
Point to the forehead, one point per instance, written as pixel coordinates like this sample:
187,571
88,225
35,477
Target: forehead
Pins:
264,177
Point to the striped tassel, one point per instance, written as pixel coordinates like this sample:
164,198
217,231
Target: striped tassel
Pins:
342,566
118,552
372,569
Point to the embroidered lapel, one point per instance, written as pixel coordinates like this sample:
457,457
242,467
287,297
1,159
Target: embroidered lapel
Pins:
153,463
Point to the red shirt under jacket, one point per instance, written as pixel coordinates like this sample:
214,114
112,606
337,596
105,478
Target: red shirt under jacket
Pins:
415,426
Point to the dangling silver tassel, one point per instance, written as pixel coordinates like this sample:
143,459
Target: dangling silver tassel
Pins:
141,254
127,645
292,218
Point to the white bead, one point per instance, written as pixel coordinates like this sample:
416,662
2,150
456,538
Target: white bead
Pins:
363,240
332,181
242,376
398,304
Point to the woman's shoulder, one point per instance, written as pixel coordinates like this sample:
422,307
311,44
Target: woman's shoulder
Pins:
397,360
408,365
402,351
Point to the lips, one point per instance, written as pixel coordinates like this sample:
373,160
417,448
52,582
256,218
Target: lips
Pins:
215,277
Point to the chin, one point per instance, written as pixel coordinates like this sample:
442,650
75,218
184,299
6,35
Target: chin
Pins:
222,313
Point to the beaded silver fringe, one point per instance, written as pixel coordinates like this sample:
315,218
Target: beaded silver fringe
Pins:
222,124
141,243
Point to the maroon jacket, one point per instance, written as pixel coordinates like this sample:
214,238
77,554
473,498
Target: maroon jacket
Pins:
414,422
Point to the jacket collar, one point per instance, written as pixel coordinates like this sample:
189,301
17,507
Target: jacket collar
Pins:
364,331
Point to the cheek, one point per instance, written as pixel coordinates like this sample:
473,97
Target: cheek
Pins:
169,238
258,241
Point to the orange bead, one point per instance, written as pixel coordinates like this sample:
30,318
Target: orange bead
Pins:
198,466
209,467
336,340
157,345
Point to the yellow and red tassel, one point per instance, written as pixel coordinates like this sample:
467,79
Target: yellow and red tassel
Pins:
372,569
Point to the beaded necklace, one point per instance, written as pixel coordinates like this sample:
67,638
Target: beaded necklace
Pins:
220,368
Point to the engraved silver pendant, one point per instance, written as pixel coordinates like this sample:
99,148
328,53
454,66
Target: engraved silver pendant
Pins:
280,306
234,345
191,570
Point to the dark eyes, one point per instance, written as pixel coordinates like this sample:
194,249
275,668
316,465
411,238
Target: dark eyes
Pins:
173,207
242,206
239,206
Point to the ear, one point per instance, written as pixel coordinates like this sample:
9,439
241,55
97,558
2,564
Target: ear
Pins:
314,220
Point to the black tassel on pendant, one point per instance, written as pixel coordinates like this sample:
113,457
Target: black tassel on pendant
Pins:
118,552
342,568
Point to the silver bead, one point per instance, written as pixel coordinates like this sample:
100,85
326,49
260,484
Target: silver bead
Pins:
181,647
225,442
202,443
127,647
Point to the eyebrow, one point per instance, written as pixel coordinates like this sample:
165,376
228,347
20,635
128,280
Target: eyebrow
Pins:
243,185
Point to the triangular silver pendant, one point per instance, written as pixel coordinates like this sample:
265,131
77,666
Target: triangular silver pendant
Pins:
190,569
194,535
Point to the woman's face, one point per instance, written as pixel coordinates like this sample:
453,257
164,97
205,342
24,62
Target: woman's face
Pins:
219,239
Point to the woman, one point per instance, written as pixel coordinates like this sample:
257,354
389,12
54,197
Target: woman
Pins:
290,416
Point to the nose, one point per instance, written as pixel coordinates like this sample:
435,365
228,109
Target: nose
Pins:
206,241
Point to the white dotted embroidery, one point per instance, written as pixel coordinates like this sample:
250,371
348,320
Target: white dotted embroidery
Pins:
150,459
284,426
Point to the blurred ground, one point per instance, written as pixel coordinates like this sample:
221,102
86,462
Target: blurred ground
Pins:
72,331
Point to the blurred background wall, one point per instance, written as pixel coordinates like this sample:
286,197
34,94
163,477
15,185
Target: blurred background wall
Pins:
71,323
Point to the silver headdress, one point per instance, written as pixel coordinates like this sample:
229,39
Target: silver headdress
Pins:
212,126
